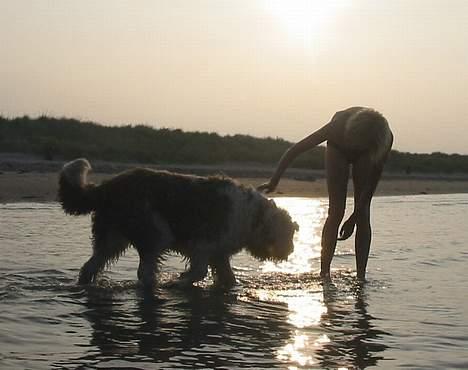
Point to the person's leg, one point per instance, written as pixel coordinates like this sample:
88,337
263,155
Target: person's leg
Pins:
337,168
365,180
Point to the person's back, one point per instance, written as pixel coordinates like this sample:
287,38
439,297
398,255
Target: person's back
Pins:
358,130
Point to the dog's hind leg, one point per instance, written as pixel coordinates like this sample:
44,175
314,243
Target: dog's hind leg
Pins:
108,245
222,272
154,237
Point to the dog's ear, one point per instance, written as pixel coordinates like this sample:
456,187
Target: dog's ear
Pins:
263,229
261,235
270,224
272,237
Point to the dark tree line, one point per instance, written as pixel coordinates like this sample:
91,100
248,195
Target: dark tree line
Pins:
62,138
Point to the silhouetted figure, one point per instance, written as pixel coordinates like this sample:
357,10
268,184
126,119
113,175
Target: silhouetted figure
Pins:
360,137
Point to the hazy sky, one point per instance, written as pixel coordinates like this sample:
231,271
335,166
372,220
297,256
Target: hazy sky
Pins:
266,68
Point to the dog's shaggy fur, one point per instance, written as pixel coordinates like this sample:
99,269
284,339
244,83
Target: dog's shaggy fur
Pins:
205,219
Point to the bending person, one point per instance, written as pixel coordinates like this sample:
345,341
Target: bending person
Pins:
358,137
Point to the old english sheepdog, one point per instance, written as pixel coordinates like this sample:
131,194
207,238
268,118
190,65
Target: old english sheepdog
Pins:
205,219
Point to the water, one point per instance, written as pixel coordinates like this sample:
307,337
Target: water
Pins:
413,312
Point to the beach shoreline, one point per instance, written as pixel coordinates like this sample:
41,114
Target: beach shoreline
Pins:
41,186
25,178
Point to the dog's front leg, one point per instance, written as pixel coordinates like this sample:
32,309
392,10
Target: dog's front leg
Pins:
197,271
222,272
92,268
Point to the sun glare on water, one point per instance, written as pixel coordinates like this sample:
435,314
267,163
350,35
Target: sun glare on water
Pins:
305,304
305,20
310,216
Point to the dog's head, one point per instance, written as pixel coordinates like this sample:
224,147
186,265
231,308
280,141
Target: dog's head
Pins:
273,233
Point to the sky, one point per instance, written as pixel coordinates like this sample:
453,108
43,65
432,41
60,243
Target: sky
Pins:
277,68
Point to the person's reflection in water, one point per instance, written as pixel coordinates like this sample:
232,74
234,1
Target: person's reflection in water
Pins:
354,341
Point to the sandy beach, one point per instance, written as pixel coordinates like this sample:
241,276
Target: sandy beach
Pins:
41,186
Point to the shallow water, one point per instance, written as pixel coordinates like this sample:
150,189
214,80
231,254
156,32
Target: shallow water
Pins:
413,312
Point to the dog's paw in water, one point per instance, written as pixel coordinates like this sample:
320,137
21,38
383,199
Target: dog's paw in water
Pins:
180,283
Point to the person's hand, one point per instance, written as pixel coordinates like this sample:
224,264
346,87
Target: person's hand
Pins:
348,228
267,187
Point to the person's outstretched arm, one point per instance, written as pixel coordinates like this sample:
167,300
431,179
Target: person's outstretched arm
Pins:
292,153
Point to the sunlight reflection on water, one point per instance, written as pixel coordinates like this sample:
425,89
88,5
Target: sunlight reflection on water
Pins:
310,216
305,311
305,307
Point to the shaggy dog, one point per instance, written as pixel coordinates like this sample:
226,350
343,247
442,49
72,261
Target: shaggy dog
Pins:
205,219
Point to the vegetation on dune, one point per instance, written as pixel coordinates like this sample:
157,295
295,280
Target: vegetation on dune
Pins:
62,138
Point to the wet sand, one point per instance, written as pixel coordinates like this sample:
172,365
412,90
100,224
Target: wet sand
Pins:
42,186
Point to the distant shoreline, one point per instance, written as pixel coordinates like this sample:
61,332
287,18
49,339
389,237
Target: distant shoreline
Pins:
23,179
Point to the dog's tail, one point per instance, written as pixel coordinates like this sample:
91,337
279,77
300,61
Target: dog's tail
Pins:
75,194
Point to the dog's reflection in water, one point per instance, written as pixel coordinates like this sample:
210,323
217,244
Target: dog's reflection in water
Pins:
205,219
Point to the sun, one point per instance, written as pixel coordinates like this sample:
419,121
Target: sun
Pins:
306,21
